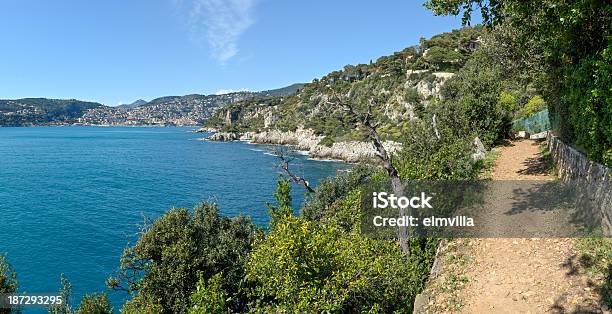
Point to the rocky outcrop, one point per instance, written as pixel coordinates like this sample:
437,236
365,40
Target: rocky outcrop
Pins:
205,130
479,151
223,137
306,140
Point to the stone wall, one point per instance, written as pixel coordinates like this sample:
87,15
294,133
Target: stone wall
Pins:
574,167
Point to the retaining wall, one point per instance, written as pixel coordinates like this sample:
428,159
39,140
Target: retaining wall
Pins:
574,167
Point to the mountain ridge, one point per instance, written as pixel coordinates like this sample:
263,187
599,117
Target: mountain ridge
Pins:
191,109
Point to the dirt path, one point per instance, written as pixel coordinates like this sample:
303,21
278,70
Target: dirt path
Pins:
525,275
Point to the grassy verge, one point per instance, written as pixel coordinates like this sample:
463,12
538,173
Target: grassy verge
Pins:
596,257
445,290
488,163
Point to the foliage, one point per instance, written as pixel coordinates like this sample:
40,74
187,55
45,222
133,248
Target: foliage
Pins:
305,266
442,58
325,265
301,267
96,303
8,279
475,91
142,304
327,141
163,267
574,37
597,257
209,297
588,99
507,102
440,152
283,201
66,293
30,111
533,106
8,276
323,204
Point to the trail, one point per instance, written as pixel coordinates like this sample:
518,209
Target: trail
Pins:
538,275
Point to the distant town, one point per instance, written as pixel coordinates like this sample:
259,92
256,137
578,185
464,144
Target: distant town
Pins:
186,110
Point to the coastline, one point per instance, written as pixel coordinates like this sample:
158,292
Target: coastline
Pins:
307,143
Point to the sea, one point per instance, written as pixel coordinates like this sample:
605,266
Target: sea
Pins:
72,198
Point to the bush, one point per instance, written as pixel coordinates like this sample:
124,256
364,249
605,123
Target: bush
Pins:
8,276
96,303
8,280
327,141
475,91
589,102
427,157
302,267
209,297
507,102
163,268
320,205
596,255
533,106
320,266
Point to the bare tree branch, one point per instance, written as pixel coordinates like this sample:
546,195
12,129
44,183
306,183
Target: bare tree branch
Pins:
365,119
285,166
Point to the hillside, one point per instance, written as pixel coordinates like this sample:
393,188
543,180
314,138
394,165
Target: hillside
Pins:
169,110
404,83
133,105
175,110
42,111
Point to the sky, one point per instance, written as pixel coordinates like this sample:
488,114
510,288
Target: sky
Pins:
117,51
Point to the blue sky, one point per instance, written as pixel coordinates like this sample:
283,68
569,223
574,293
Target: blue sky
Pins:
117,51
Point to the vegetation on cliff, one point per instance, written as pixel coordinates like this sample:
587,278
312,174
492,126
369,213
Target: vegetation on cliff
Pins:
42,111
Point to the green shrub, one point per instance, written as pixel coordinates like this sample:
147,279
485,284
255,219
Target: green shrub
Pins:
8,280
425,156
327,141
302,267
533,106
323,266
319,206
96,303
474,93
8,276
596,255
209,297
507,102
164,266
589,102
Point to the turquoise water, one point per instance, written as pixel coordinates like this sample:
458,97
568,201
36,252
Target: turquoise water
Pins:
71,198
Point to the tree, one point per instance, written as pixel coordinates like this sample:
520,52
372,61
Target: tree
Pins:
163,268
65,307
319,267
365,120
574,37
533,106
8,280
96,303
475,91
209,297
281,154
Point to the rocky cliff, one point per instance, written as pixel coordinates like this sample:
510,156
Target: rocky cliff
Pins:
403,85
306,140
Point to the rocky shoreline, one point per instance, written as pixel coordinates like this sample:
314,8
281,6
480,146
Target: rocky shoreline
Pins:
305,140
